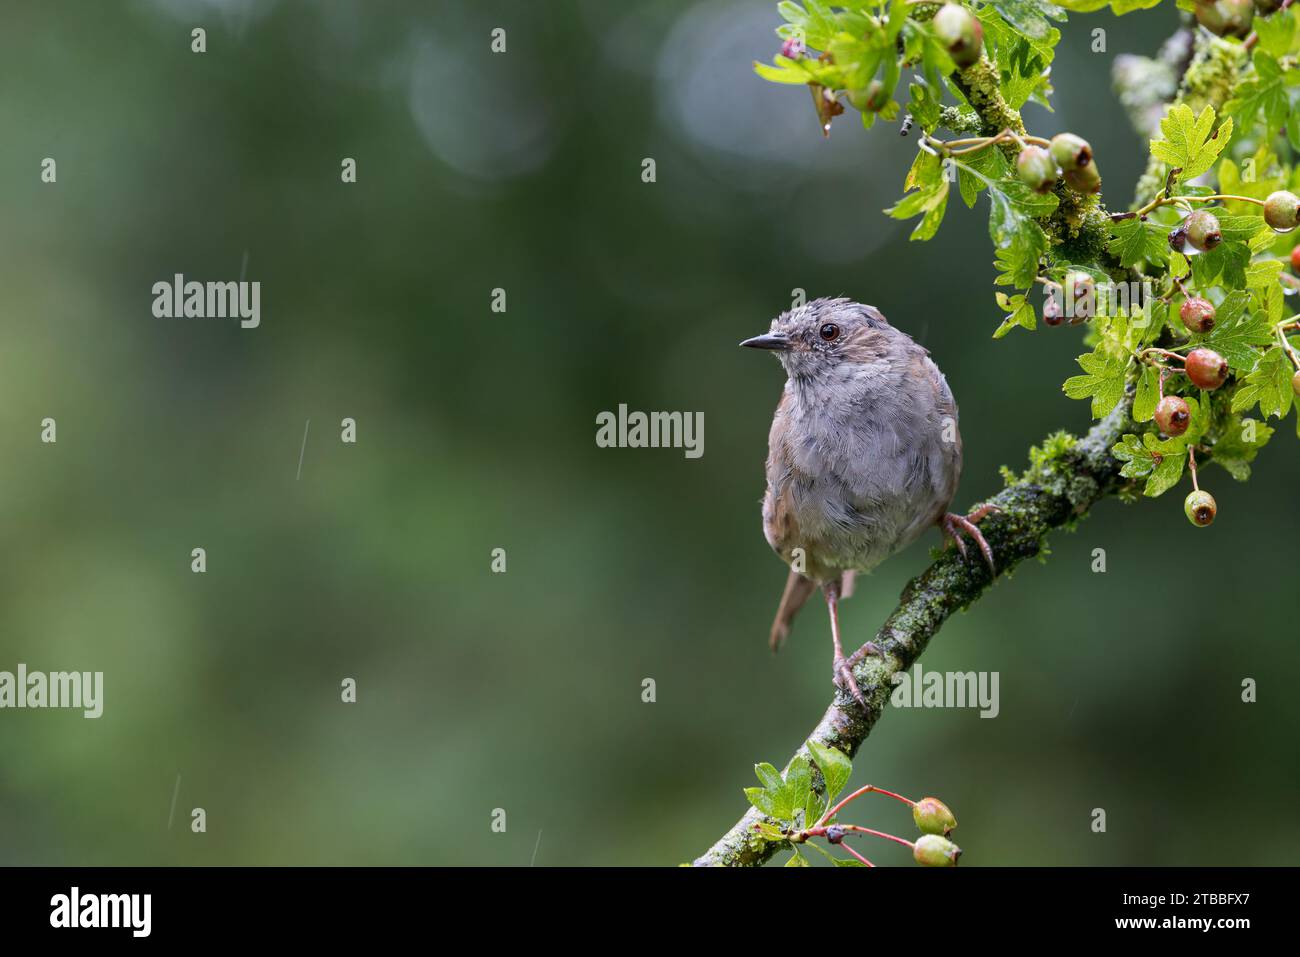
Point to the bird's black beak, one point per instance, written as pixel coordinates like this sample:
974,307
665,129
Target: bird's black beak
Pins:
778,341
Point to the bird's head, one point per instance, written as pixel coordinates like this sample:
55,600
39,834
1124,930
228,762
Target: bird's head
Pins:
827,336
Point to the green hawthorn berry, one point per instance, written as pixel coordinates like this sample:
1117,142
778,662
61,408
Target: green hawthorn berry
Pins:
933,817
870,100
1173,416
1282,211
1085,179
1197,314
960,33
1295,382
1200,508
877,96
1226,18
1036,169
1203,230
932,850
1206,368
1071,152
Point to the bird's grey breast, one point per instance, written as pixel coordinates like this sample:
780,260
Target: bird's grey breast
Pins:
864,459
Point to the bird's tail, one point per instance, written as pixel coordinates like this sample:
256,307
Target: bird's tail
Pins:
797,590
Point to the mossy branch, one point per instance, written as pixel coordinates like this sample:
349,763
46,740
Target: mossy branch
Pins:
1080,225
1067,476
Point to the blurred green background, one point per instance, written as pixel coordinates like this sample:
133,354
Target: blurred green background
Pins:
522,690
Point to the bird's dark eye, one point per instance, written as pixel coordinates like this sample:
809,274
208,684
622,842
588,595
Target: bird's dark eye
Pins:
830,331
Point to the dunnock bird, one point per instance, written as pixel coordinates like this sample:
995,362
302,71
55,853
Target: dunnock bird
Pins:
863,456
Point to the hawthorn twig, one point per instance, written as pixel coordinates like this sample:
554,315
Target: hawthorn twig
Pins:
1053,494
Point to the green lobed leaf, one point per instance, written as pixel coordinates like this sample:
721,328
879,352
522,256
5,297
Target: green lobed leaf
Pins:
1241,229
769,830
1160,462
1224,265
1272,298
978,171
1029,16
1166,473
834,766
768,776
1018,263
934,210
928,197
1276,34
1202,412
1135,241
1237,331
1102,381
1261,98
1269,386
924,105
1018,240
783,70
1150,321
1020,313
1022,58
798,782
1239,442
1190,141
762,799
1148,389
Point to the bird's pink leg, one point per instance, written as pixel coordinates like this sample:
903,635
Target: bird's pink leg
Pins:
953,525
842,673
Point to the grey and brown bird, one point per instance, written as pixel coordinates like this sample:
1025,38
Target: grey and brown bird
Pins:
863,456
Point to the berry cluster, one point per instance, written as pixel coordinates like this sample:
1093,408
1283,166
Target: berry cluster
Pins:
1205,368
1066,155
794,813
1182,298
932,818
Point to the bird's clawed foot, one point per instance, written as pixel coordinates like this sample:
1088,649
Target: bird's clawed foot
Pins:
844,680
954,526
870,648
